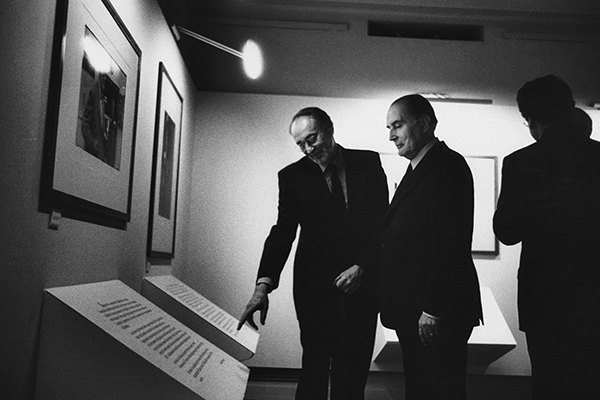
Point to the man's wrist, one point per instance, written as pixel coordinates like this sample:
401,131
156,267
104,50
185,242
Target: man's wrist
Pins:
263,285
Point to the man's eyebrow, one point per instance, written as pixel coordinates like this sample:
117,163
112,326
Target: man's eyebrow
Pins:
394,122
310,135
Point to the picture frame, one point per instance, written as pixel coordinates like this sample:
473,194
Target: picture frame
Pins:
88,162
485,182
165,168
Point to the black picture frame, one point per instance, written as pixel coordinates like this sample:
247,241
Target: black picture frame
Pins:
162,224
88,161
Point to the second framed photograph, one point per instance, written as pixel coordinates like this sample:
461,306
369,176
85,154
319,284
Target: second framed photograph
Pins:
165,168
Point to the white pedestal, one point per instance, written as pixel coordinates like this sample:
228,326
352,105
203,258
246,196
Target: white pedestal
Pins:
201,315
487,342
105,341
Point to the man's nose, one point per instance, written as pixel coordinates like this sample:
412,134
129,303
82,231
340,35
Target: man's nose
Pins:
307,148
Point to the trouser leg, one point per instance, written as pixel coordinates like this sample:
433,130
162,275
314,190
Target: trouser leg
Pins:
437,371
352,357
314,375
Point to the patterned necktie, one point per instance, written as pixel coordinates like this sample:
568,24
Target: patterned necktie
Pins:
337,192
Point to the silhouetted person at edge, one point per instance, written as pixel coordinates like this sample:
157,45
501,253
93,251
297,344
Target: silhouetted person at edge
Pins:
550,203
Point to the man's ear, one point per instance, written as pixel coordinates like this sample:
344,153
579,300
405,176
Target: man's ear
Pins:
425,122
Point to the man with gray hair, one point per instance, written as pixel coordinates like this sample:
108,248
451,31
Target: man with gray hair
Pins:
337,196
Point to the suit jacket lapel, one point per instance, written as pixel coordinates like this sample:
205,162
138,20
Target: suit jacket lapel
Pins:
409,182
316,178
406,185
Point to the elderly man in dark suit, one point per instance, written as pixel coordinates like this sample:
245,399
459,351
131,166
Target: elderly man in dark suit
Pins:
550,203
428,282
337,196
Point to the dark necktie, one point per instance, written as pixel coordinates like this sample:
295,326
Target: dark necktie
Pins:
337,192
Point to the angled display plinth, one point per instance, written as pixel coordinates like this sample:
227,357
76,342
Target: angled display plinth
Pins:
106,341
487,343
201,315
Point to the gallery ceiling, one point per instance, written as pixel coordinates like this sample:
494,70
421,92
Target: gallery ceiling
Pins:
350,48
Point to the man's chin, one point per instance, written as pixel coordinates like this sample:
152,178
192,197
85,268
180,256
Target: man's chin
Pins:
404,153
318,159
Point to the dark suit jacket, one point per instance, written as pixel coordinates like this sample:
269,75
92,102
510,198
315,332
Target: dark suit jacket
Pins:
326,246
550,201
426,262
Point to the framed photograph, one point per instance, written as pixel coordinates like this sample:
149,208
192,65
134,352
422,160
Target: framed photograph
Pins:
165,168
92,113
485,172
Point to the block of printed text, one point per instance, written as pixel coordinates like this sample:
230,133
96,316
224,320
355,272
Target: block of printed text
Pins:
201,315
106,341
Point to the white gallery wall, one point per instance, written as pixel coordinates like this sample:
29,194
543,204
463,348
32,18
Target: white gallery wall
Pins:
33,257
240,144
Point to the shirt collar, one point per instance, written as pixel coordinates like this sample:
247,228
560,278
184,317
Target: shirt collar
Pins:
338,160
416,160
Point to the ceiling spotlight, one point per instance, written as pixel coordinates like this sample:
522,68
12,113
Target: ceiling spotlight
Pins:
253,61
251,54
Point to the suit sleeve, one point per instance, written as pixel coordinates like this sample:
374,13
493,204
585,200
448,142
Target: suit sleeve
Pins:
377,203
451,228
278,244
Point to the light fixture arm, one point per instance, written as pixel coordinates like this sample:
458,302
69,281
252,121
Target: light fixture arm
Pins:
210,42
250,54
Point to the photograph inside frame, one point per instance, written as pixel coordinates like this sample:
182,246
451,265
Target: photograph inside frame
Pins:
101,103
